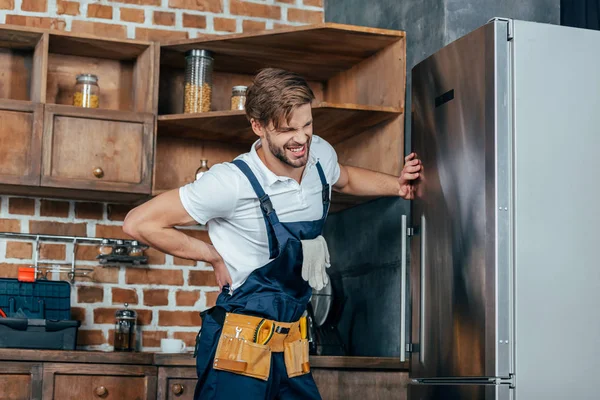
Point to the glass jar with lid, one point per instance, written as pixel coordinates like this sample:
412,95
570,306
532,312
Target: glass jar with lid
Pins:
125,329
238,97
198,81
87,91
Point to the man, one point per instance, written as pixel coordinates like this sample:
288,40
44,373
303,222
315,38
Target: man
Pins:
265,212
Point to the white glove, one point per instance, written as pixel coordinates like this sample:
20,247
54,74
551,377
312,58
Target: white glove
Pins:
315,262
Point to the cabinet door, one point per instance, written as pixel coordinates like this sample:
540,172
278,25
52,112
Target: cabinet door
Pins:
97,149
175,383
20,381
97,381
20,142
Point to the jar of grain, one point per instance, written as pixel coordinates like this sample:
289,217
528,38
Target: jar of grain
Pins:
238,97
87,91
198,81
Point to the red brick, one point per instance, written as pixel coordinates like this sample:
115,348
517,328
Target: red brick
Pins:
51,208
132,15
10,270
67,7
194,21
90,337
188,337
238,7
7,4
99,29
214,6
154,276
23,250
107,316
224,24
89,210
78,314
35,5
198,234
202,278
52,251
305,16
99,11
152,338
164,18
21,206
86,252
36,22
155,257
156,297
211,298
250,26
90,294
184,261
122,296
111,231
286,1
187,298
118,212
57,228
139,2
312,3
179,318
278,26
10,225
159,35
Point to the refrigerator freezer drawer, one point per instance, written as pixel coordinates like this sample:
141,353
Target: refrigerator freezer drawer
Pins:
460,392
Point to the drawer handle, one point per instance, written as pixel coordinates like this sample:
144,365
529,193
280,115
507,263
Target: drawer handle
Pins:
98,172
177,389
100,391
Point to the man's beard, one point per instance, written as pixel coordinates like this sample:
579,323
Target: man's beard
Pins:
279,152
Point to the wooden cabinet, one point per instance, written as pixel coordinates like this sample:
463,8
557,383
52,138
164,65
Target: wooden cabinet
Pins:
176,383
93,382
97,150
20,381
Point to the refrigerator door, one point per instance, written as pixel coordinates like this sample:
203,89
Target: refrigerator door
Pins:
459,254
460,392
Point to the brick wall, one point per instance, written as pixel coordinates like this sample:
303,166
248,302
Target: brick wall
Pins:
168,293
160,19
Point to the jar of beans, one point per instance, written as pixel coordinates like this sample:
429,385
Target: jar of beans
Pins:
87,91
238,97
198,81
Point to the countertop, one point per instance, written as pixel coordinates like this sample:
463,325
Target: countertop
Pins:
183,359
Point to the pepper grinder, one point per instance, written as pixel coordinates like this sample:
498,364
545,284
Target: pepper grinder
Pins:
125,329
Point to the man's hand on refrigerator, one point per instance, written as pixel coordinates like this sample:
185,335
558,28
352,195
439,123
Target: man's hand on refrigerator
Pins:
410,173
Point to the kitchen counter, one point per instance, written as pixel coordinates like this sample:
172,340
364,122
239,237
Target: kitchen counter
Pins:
184,359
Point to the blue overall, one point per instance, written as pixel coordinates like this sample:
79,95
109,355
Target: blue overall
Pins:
274,291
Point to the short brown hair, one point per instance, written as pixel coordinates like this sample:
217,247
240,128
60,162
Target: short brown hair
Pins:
275,94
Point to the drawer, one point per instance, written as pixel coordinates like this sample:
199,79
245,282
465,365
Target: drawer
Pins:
176,383
97,149
181,389
95,381
20,381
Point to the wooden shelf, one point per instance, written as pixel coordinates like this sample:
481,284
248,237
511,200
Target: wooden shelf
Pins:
333,122
318,52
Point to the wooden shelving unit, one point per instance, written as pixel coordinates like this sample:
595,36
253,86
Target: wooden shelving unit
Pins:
356,73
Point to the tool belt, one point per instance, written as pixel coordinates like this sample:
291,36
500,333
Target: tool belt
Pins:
246,344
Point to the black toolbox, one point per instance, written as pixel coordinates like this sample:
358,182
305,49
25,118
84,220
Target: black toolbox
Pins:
38,315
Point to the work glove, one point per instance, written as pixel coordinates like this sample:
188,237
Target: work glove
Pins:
315,262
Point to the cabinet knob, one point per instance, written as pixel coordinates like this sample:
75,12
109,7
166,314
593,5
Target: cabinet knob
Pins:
177,388
100,391
98,172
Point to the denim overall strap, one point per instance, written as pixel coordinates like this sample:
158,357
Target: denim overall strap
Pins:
325,190
268,212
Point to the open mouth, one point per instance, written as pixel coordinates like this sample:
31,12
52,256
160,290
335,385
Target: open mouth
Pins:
297,151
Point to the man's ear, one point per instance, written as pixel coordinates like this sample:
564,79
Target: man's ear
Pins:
257,127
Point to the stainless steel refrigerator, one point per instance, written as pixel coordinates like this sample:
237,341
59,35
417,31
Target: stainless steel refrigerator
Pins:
505,231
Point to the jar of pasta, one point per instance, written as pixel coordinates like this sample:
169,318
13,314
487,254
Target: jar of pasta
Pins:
238,97
87,91
198,81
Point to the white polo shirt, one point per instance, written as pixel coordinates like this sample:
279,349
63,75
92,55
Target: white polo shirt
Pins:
224,200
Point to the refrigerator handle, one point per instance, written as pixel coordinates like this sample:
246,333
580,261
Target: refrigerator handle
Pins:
403,291
422,311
